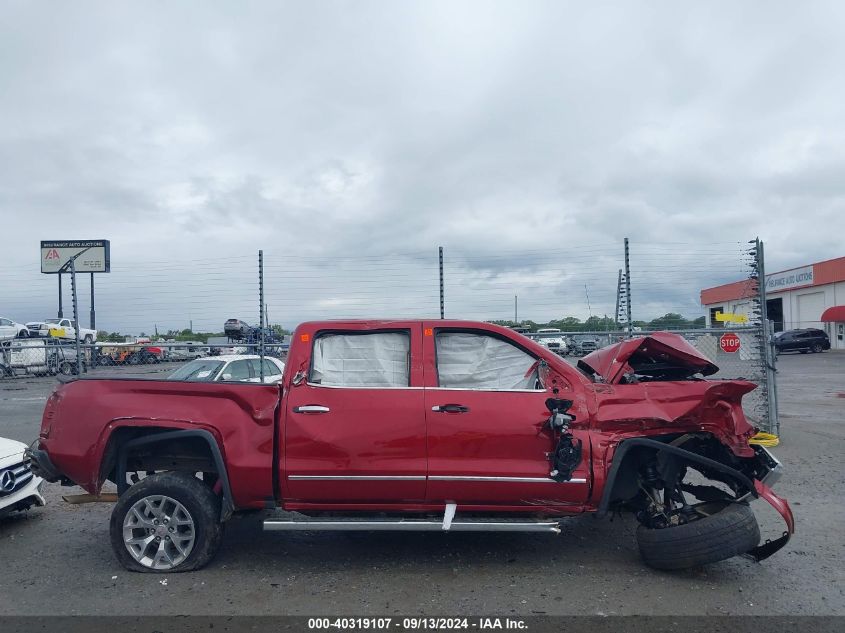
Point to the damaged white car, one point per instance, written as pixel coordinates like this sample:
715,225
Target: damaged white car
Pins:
20,489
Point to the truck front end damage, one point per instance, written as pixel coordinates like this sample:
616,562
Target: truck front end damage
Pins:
679,451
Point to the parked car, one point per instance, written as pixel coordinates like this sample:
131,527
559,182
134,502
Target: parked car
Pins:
804,340
24,356
188,350
554,340
20,489
226,368
422,425
12,329
61,328
236,329
581,344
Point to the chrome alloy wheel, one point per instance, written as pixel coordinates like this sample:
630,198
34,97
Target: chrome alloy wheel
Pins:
159,532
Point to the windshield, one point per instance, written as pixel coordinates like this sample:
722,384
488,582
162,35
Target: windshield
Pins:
52,321
200,370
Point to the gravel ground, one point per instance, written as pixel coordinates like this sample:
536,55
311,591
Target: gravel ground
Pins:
57,559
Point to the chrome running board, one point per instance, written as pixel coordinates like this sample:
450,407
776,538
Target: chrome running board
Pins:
448,524
403,525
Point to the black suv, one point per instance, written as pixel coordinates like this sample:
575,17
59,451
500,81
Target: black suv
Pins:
807,340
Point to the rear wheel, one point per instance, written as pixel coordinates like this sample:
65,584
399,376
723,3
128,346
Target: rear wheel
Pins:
719,532
89,339
817,348
167,522
23,334
66,368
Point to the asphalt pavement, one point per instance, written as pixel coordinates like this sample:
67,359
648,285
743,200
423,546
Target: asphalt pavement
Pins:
57,559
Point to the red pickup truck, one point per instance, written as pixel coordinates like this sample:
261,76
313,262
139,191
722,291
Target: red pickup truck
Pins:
423,425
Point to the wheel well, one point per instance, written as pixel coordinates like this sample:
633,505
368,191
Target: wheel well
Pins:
191,454
702,452
154,449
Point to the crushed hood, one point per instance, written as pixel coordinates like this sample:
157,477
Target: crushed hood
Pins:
659,356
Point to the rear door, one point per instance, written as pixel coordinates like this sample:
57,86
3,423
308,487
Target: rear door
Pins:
355,424
488,438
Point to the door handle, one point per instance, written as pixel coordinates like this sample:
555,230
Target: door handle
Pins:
311,408
450,408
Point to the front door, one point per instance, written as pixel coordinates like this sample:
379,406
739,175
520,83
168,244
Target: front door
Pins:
355,427
488,438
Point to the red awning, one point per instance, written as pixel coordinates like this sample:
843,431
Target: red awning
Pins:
835,313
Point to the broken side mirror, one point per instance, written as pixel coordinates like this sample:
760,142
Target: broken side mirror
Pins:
558,405
298,377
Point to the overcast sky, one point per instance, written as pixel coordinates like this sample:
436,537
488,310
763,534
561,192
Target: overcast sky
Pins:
350,139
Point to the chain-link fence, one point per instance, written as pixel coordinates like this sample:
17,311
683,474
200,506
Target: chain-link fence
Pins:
592,293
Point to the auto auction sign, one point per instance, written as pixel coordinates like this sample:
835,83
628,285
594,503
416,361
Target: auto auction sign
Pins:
729,343
92,256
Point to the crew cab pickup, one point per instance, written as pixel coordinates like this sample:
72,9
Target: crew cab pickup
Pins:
422,425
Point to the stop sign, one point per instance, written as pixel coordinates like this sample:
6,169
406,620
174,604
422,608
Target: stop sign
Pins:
729,342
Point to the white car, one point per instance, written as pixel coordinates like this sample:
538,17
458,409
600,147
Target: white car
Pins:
19,488
11,329
554,340
61,328
230,368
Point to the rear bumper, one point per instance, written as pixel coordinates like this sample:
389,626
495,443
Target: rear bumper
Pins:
41,465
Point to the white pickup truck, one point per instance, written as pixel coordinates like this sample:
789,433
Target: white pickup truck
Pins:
61,328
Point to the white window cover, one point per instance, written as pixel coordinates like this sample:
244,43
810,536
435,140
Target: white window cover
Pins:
475,361
379,359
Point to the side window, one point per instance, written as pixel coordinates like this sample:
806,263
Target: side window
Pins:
5,322
370,359
467,360
270,369
237,370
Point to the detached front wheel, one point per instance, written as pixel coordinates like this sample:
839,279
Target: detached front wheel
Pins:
721,531
167,522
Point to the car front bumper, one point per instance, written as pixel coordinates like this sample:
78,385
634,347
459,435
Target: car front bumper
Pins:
25,497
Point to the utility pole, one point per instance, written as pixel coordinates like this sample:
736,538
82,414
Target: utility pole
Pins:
93,314
442,297
618,298
628,290
516,310
61,313
261,309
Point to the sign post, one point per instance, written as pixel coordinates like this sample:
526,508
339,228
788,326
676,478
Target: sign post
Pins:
729,343
76,256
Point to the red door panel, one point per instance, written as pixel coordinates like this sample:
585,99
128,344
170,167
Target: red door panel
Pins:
350,445
368,447
497,450
492,446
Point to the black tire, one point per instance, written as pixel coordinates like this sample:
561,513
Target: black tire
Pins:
817,348
66,368
89,339
804,351
196,497
727,533
23,334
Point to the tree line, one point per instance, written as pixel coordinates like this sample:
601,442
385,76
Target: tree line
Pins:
669,321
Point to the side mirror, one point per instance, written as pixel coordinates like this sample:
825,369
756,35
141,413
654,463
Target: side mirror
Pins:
298,377
558,405
226,377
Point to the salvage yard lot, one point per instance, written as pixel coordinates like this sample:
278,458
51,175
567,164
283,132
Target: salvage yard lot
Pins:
57,559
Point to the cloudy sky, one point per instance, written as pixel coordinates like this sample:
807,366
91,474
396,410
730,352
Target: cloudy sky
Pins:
348,140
